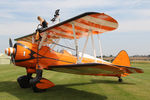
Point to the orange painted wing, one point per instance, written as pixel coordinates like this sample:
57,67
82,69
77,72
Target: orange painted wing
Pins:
95,69
88,69
89,21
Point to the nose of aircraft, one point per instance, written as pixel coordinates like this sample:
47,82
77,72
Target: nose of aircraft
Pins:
9,51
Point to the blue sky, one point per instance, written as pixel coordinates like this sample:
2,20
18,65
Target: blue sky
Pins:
18,18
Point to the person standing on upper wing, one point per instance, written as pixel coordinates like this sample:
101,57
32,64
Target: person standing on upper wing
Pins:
43,24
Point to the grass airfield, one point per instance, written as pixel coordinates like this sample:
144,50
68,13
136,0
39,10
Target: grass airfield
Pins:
77,87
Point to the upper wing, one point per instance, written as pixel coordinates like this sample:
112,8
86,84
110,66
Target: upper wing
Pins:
95,69
90,21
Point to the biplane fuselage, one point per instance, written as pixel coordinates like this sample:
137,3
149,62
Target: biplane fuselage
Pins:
26,56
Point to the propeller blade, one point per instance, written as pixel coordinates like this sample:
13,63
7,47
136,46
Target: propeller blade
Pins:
10,43
12,60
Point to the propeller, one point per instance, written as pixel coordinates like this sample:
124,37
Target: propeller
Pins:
12,60
10,43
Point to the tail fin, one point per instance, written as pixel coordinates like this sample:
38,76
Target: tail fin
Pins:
122,59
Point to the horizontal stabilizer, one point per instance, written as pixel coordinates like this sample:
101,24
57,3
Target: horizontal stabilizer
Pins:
131,70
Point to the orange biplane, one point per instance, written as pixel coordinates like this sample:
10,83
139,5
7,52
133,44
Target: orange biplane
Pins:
36,56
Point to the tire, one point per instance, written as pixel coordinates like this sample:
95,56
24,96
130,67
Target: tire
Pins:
120,80
24,81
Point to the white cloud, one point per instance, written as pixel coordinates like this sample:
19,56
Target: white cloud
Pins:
6,14
134,26
42,7
139,23
17,28
136,13
10,12
132,20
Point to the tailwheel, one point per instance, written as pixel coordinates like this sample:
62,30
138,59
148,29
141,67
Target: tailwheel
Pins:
120,79
24,81
40,85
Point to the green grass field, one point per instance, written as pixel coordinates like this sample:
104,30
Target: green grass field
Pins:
77,87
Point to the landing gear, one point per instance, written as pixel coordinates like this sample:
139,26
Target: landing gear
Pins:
35,81
120,79
40,84
24,81
34,87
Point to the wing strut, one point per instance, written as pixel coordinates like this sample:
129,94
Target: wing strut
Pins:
89,33
100,46
33,39
55,43
76,42
43,39
94,51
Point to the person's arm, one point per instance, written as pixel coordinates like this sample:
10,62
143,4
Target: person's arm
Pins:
47,23
41,22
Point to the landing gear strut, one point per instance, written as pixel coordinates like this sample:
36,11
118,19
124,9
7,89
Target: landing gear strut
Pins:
120,79
36,80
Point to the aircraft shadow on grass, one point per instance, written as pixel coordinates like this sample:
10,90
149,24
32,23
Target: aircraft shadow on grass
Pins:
59,92
98,81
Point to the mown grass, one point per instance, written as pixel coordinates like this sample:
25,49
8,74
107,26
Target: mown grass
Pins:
77,87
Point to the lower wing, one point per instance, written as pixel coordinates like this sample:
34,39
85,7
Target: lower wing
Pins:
95,69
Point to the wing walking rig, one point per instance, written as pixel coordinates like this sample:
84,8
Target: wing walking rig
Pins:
36,56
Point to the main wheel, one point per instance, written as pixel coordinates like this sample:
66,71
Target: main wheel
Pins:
24,81
120,80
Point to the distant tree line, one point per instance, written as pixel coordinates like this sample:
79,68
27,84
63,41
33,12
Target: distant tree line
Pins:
140,56
104,56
